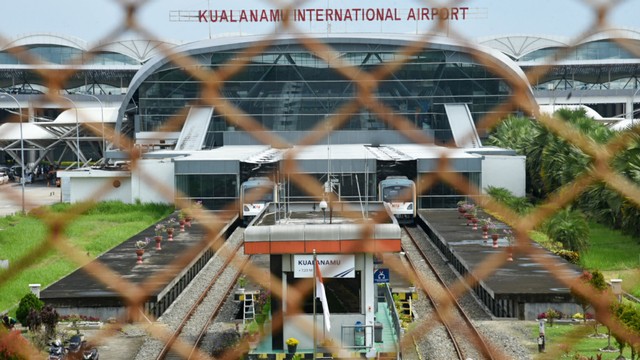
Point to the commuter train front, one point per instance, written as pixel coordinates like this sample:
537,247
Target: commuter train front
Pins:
255,194
400,193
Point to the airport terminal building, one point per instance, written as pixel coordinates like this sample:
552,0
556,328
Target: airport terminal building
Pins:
191,126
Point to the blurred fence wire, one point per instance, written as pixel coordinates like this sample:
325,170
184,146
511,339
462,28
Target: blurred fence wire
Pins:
599,170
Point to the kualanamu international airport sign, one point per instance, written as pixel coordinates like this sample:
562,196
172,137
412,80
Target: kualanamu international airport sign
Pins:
332,14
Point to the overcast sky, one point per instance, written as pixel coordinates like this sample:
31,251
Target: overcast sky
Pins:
92,20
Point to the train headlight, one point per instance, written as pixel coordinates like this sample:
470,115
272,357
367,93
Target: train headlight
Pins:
246,208
410,207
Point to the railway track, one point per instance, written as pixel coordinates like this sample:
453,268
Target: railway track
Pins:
184,342
466,341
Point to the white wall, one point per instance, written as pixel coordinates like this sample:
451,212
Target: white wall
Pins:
99,188
154,181
507,172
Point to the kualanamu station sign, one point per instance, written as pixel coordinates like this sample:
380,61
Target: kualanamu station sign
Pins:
332,15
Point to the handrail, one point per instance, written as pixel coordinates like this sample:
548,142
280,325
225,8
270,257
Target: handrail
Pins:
395,318
354,346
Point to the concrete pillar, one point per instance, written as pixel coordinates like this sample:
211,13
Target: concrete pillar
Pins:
629,108
370,293
35,289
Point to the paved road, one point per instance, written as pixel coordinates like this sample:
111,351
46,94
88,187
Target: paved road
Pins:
35,195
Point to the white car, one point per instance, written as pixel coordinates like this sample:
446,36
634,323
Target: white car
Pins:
4,178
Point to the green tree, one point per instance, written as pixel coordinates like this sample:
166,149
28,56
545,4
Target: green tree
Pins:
597,285
553,162
629,316
517,133
28,302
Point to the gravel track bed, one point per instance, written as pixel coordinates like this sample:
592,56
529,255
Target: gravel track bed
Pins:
178,310
511,337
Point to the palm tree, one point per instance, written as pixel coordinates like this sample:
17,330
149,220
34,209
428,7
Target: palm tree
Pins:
569,227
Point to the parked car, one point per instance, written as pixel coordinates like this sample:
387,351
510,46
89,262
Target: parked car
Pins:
15,172
4,177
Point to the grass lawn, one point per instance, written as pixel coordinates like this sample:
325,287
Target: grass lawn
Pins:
615,255
94,232
576,338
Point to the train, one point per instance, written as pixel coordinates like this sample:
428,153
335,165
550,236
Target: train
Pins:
255,194
400,193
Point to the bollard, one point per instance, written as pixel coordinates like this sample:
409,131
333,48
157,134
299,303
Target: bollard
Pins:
541,343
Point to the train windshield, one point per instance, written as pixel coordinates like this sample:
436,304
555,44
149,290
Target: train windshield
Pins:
266,194
396,193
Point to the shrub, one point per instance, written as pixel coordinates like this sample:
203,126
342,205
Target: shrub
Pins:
28,302
552,315
12,345
570,228
50,319
518,204
571,256
34,320
78,317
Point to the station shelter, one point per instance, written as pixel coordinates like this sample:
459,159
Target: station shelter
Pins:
345,241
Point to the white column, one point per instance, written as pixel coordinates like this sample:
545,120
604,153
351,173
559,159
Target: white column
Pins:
370,293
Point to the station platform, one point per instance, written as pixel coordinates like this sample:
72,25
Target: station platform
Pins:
387,344
82,293
521,288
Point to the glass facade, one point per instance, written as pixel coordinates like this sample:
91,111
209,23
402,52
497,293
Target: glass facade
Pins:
56,54
288,88
215,191
442,195
596,50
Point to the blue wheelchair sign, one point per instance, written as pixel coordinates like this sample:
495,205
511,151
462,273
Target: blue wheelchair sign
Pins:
381,276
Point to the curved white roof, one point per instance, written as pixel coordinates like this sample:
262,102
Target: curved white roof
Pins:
138,49
45,38
141,50
30,131
87,114
517,46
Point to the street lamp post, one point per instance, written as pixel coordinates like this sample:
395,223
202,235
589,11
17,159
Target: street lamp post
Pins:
21,146
616,289
77,131
101,119
633,112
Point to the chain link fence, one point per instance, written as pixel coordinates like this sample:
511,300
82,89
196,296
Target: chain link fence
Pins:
599,170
